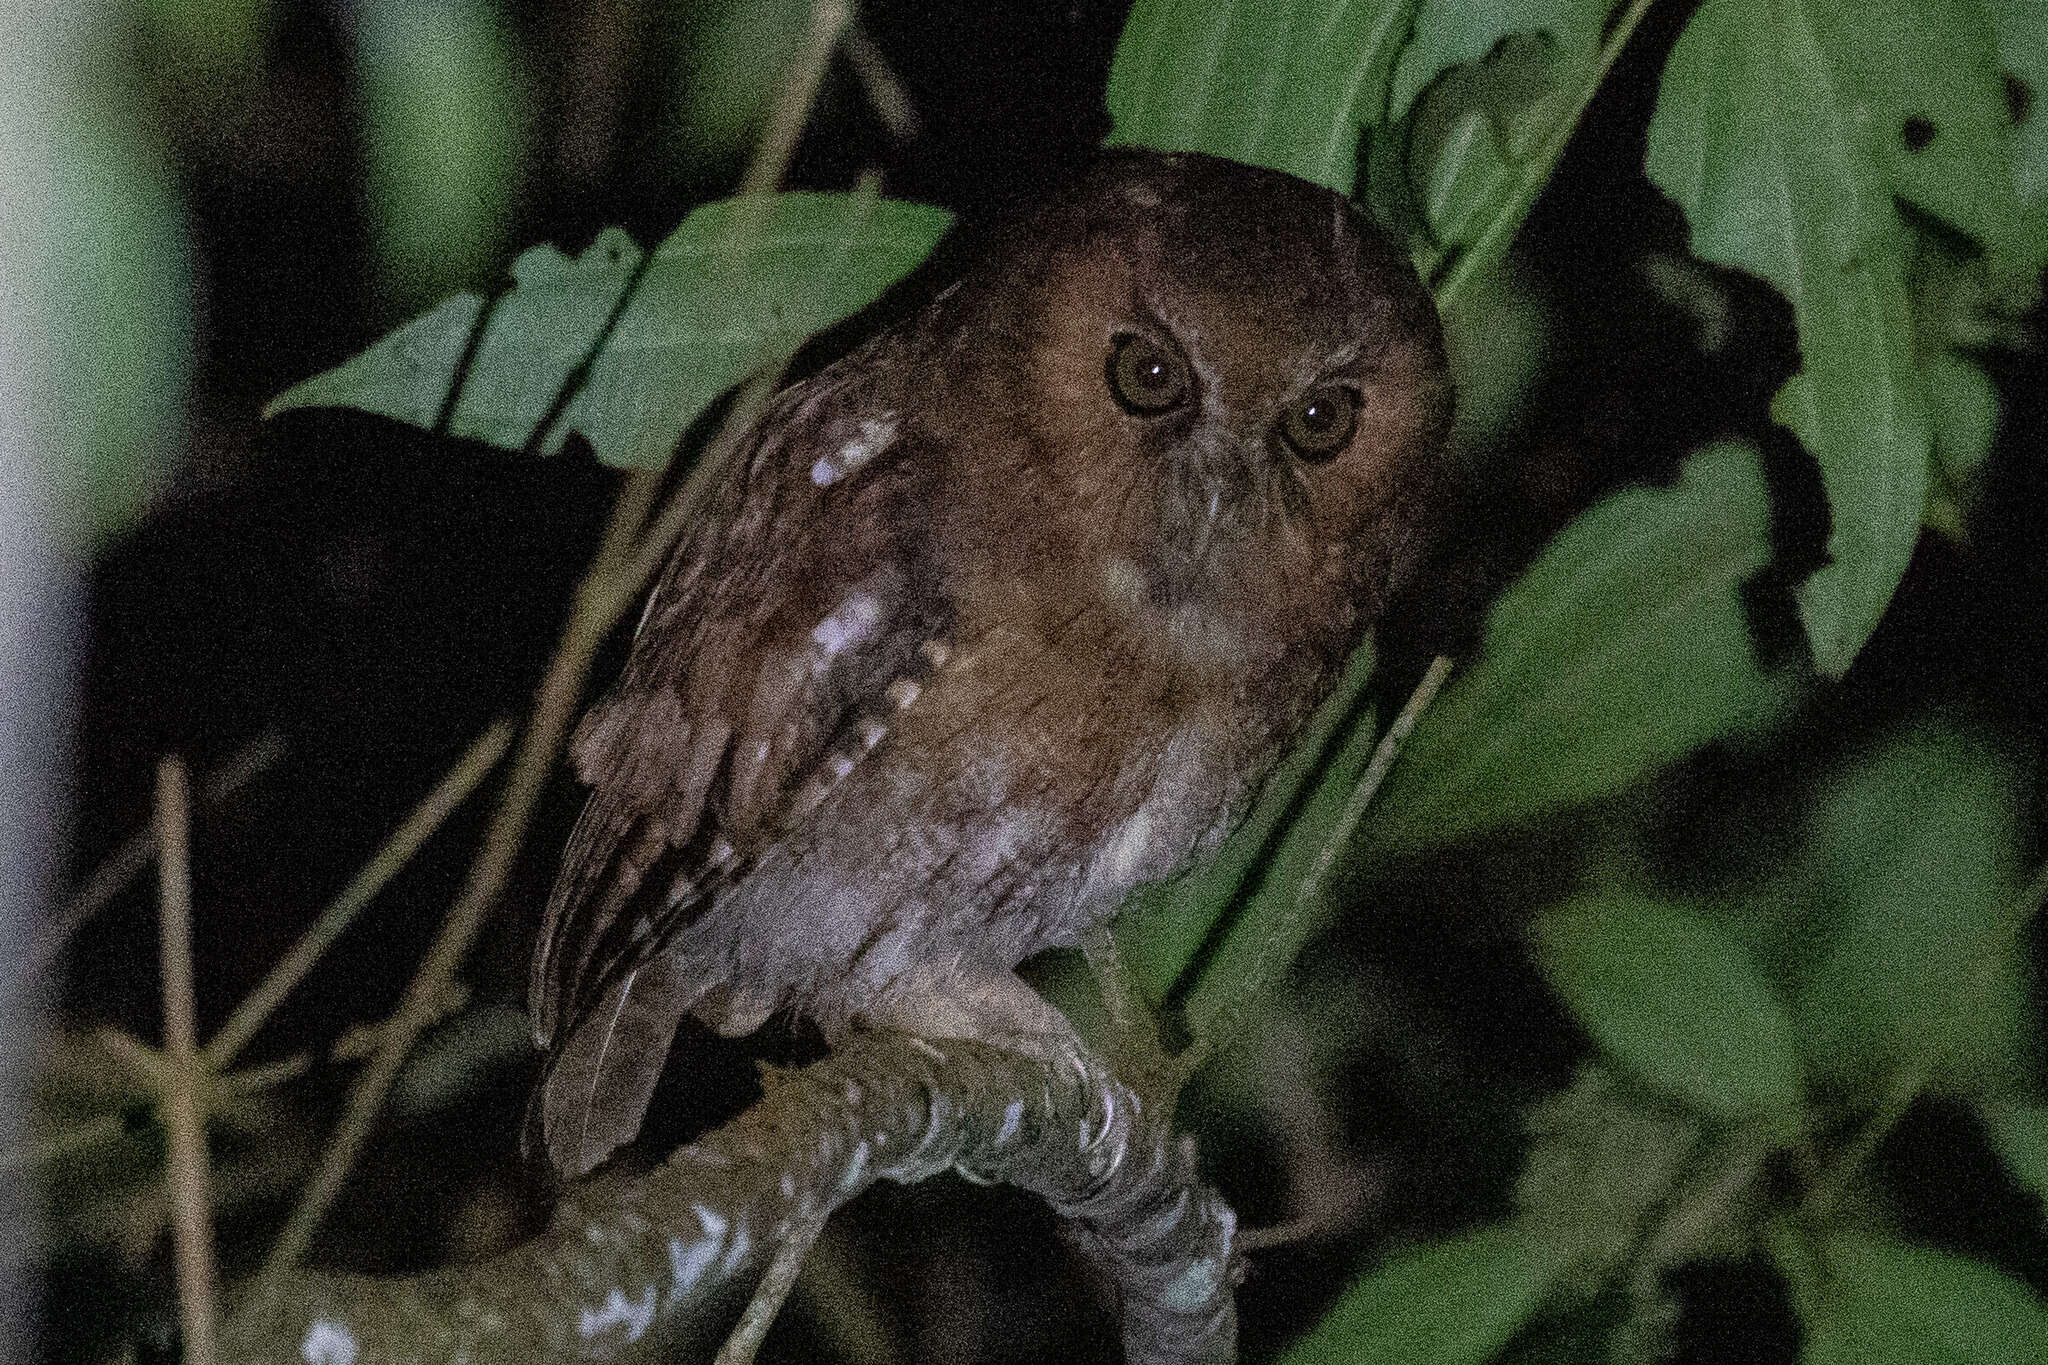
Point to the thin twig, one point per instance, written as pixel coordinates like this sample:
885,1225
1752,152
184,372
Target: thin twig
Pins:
191,1224
1317,883
885,90
398,850
746,1337
1219,1009
792,111
554,703
121,867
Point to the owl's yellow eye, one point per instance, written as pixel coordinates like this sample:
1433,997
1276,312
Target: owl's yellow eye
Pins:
1145,377
1321,423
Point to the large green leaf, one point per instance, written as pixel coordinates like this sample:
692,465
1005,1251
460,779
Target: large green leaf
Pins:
1623,647
1451,33
1917,859
1919,82
1874,1301
1486,129
1676,1003
1760,137
705,311
1446,1304
1285,85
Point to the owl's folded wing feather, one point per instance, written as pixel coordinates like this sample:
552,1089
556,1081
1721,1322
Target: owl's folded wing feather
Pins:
778,626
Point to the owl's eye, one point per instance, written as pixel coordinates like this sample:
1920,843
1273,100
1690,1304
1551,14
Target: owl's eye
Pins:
1321,423
1145,377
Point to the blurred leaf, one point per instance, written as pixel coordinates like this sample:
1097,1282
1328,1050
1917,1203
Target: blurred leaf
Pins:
1672,1000
1483,128
1602,1157
702,315
1501,342
2020,1133
446,108
1451,33
1763,146
114,300
1452,1302
1623,647
1873,1301
1287,86
214,39
1963,403
737,55
2020,31
1918,855
1163,927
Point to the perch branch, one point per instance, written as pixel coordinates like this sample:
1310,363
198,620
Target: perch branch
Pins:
652,1268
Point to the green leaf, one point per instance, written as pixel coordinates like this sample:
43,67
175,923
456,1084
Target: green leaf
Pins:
1451,33
1917,852
1672,1000
703,314
1757,136
1920,82
1625,646
1453,1302
1963,403
445,104
1875,1301
1285,85
1482,128
2019,1131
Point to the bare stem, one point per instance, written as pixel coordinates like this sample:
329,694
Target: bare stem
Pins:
453,789
745,1340
191,1222
126,863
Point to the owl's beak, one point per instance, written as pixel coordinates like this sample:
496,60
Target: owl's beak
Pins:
1211,499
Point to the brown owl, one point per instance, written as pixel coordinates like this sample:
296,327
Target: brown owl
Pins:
1000,616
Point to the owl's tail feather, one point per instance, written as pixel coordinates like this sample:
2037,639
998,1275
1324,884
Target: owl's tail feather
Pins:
599,1080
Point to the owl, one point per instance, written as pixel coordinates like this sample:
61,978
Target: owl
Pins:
1000,616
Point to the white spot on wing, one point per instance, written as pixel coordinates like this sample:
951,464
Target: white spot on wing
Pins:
636,1315
328,1343
870,440
849,625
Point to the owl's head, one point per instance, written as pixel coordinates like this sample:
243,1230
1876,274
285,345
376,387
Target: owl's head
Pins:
1209,394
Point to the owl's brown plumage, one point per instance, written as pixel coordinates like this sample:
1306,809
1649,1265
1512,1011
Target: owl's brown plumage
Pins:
1003,614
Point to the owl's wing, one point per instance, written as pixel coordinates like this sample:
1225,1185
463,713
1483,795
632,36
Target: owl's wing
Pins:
766,652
